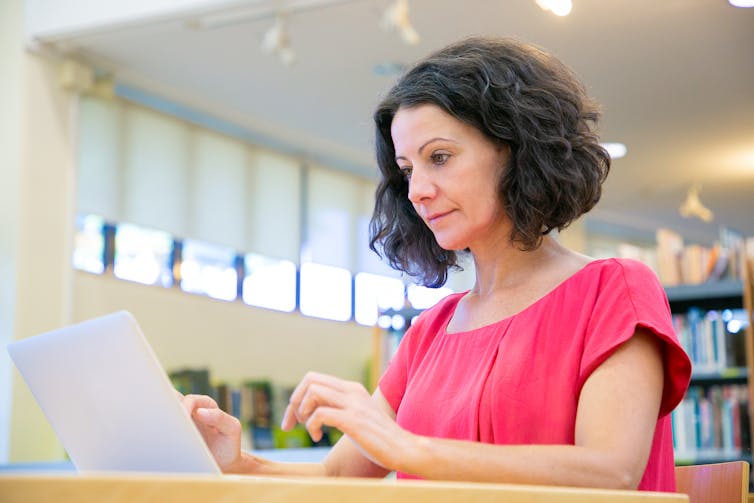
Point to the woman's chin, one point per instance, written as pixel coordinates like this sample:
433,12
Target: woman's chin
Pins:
451,245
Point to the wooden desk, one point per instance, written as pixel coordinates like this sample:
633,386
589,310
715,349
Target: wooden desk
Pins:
30,488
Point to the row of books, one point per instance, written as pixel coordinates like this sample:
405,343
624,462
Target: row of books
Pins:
712,421
252,402
678,263
705,337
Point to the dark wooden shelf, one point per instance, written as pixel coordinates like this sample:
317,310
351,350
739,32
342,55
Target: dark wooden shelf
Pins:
725,294
733,375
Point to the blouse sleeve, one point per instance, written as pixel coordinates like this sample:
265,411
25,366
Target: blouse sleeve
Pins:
631,297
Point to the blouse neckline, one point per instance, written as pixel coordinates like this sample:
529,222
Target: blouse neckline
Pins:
510,318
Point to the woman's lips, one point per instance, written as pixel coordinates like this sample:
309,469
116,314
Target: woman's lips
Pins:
434,217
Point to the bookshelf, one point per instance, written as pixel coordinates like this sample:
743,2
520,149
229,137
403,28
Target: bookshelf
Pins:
713,422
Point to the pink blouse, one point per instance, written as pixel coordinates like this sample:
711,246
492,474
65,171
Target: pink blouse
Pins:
517,381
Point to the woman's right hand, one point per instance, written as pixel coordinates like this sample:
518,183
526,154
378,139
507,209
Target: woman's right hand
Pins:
221,432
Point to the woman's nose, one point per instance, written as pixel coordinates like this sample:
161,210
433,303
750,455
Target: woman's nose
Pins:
420,185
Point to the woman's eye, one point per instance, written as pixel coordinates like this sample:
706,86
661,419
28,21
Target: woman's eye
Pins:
439,158
406,172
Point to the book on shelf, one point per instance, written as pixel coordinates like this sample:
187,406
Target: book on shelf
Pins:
261,422
251,404
729,264
712,422
191,381
679,263
669,249
705,337
717,264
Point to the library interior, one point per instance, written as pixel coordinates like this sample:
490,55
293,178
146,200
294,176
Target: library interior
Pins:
209,167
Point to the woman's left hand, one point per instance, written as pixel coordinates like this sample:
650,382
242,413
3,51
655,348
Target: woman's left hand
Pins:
321,399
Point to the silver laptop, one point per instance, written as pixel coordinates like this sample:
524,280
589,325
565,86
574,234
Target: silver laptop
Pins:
108,399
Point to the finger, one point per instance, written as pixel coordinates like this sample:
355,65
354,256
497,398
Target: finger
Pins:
221,421
289,419
323,416
316,396
314,378
192,402
319,395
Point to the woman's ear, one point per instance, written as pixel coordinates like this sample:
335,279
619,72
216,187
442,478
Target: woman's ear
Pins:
504,147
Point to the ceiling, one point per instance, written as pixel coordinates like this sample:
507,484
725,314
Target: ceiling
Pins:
675,79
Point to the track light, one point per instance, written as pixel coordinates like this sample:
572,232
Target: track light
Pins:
396,18
693,207
277,41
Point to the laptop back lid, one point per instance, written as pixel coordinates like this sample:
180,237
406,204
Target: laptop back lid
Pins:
108,399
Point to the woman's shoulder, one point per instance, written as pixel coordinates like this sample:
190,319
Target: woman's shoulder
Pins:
628,279
618,277
625,268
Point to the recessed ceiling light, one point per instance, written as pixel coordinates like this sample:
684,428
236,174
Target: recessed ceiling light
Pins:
616,150
741,3
557,7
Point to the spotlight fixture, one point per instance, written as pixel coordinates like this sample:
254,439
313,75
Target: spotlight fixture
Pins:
557,7
277,41
396,18
693,207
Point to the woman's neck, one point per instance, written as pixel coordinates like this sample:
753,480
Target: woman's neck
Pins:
508,267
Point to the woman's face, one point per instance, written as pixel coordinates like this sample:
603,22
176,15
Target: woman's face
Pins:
453,172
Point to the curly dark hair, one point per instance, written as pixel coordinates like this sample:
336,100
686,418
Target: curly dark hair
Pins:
515,94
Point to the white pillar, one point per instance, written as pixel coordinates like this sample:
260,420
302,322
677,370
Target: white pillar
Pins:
11,35
38,197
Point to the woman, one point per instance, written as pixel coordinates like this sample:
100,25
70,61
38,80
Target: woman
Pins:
554,368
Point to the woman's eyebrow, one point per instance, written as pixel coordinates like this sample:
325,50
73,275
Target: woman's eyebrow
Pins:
424,145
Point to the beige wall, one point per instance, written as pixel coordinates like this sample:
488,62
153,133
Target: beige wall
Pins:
233,340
